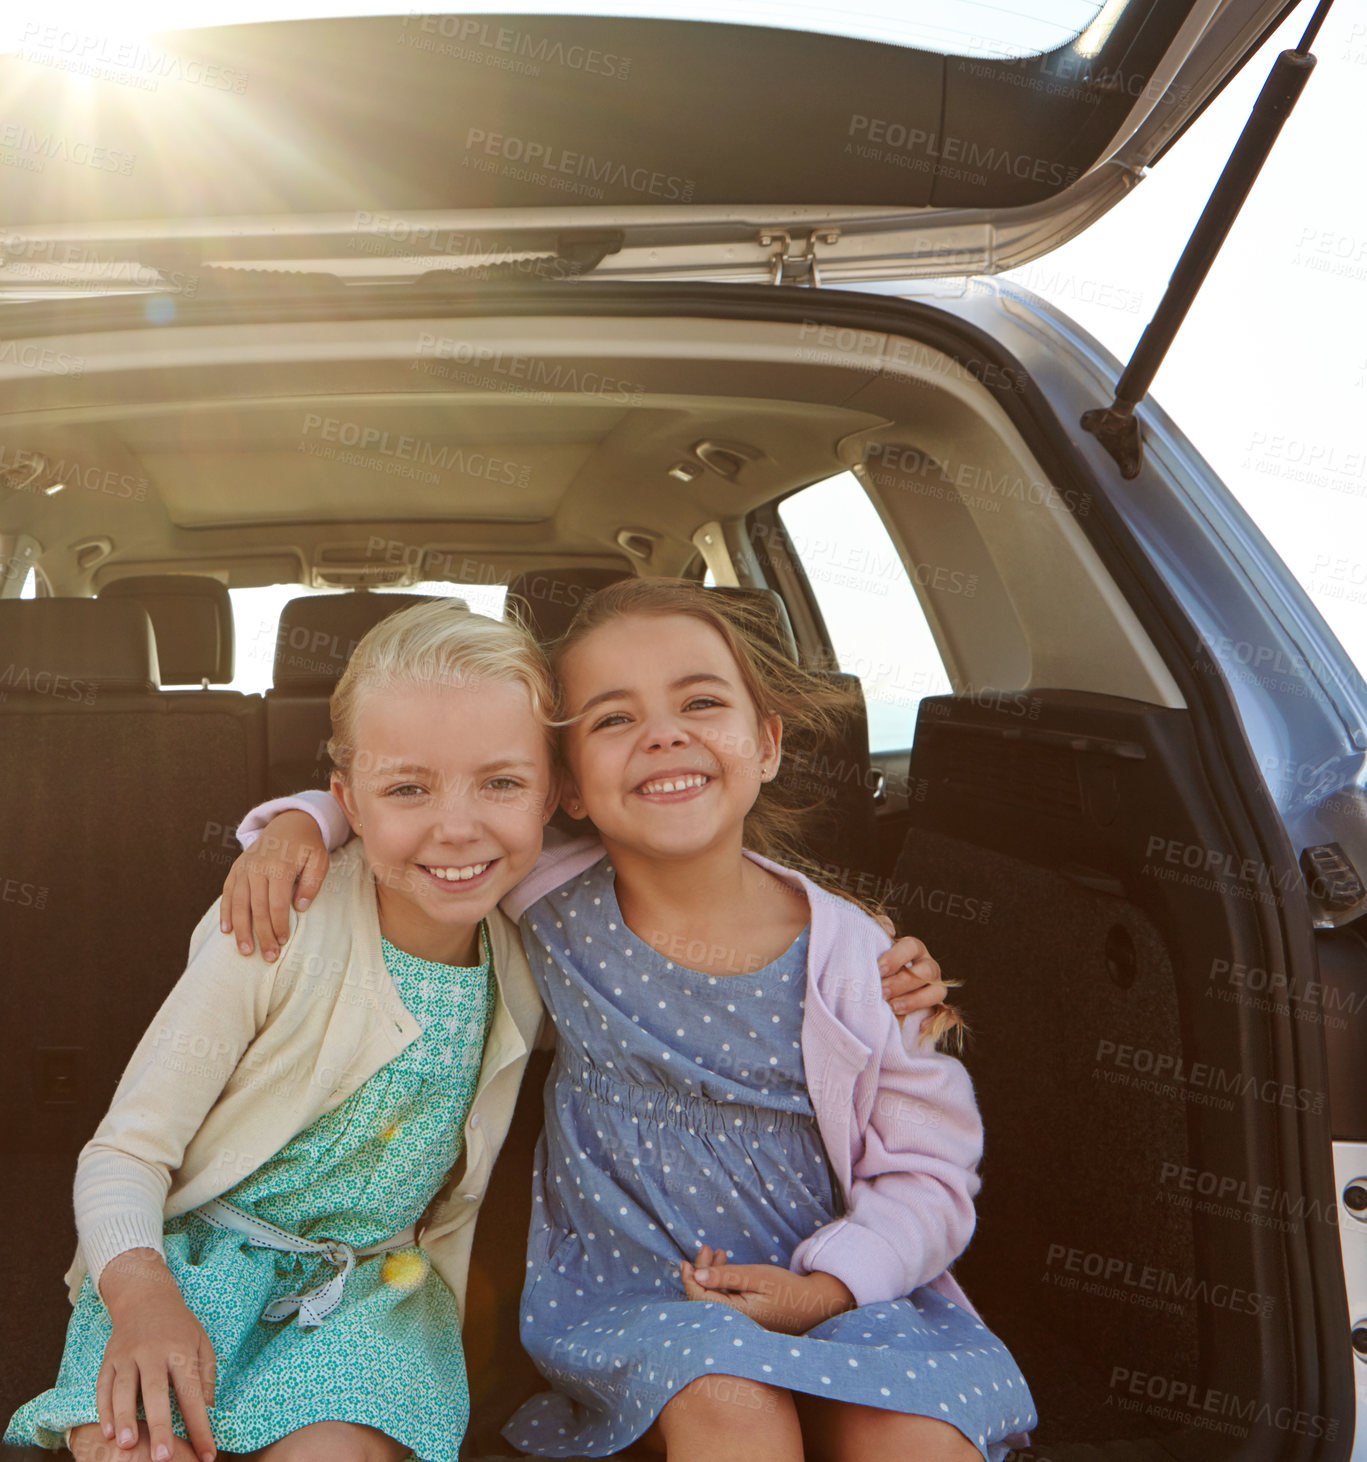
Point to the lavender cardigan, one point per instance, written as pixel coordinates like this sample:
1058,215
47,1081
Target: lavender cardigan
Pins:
901,1128
899,1122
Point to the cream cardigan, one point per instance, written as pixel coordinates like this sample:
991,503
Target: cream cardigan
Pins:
243,1055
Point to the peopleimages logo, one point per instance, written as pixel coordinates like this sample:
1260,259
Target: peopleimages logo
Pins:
528,372
34,357
551,160
24,679
955,151
1175,1071
406,455
116,58
1257,988
95,269
1115,1277
1190,1403
507,48
1235,1196
1217,870
44,147
908,469
24,895
70,472
871,349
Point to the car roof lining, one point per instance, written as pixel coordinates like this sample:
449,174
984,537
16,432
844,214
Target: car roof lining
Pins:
177,409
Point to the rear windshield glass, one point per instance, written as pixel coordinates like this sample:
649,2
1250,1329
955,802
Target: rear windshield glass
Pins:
372,119
256,621
951,27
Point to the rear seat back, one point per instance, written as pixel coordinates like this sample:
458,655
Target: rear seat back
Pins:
546,600
832,774
59,651
317,636
119,804
192,626
117,807
192,620
836,773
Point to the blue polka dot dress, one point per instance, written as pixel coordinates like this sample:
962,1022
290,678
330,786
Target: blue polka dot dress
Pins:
390,1356
677,1116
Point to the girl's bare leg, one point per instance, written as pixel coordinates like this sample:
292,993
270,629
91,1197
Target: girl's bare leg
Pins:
335,1441
840,1431
728,1419
88,1445
325,1441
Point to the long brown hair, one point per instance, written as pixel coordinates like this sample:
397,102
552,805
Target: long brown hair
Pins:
811,709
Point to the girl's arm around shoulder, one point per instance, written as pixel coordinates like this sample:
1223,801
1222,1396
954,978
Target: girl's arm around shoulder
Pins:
321,806
285,860
562,858
175,1075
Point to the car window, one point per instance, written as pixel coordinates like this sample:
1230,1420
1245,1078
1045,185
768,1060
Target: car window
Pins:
951,27
256,620
962,27
875,622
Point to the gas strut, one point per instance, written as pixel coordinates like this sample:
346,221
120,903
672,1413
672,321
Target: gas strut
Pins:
1115,426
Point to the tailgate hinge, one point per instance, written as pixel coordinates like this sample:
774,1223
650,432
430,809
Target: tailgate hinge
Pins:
785,266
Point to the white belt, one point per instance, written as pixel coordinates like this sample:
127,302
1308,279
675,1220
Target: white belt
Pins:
313,1306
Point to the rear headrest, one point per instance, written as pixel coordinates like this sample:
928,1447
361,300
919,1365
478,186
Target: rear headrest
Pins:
67,649
549,598
773,611
192,619
319,633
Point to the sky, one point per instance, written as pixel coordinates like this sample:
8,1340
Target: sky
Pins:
1268,376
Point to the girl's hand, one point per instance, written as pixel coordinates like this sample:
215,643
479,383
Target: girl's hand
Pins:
911,977
776,1298
156,1343
256,892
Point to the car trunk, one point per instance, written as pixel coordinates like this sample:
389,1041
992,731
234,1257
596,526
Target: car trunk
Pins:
1156,1240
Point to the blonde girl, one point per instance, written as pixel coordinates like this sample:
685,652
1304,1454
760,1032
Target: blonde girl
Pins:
265,1228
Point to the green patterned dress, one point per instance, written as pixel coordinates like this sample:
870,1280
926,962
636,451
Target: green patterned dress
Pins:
390,1356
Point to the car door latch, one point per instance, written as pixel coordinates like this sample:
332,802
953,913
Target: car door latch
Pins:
789,267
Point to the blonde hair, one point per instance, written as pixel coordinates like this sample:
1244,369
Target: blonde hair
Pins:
811,709
439,643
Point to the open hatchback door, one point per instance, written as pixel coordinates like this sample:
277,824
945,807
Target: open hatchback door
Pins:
963,141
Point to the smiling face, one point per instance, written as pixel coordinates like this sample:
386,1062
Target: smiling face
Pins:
449,790
667,751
